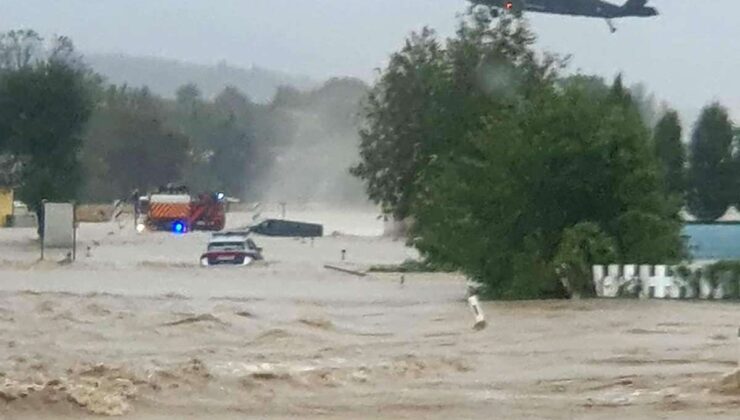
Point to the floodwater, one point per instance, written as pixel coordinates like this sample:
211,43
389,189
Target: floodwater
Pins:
136,328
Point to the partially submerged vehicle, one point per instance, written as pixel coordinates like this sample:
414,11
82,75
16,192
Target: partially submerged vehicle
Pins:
231,248
288,228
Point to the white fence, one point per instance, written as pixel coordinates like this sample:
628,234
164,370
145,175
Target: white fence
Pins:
652,281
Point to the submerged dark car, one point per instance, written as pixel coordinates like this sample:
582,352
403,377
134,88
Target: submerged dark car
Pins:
288,228
230,250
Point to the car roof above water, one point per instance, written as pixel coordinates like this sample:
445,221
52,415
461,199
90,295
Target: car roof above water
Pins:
227,239
232,233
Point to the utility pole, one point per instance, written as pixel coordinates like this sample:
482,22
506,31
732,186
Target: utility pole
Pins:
40,224
74,231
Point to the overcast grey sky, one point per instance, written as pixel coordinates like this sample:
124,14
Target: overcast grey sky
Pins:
688,56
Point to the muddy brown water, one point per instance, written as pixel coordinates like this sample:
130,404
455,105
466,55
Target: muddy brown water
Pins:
138,330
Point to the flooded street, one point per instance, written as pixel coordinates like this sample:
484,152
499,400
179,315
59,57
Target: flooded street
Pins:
136,328
536,149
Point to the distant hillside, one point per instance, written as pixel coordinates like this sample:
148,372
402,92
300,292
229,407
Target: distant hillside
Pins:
164,76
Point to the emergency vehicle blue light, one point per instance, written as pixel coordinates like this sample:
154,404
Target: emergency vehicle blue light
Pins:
178,227
220,196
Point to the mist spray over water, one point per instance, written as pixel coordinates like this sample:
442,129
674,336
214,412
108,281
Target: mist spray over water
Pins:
313,166
311,163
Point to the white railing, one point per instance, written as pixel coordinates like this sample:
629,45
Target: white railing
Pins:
652,281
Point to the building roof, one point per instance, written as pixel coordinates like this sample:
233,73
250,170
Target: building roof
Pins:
686,216
731,215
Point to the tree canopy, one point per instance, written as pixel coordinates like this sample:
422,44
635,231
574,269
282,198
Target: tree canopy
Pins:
45,103
496,159
671,152
66,133
711,173
128,145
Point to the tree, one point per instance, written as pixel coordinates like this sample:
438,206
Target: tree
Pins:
560,159
221,138
431,96
45,103
229,164
509,171
646,104
287,96
398,109
188,94
19,48
231,100
593,86
620,95
128,145
188,97
671,153
711,183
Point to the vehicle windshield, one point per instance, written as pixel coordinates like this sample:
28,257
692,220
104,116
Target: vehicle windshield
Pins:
226,246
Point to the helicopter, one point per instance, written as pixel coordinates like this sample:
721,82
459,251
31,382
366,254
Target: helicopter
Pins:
588,8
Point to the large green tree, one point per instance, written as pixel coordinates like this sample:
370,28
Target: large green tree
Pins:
397,132
432,95
540,168
671,152
45,102
513,171
711,182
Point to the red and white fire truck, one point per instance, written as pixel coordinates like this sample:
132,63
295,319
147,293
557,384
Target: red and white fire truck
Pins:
175,210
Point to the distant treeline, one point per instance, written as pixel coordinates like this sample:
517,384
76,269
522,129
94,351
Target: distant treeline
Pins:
165,76
65,133
137,140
